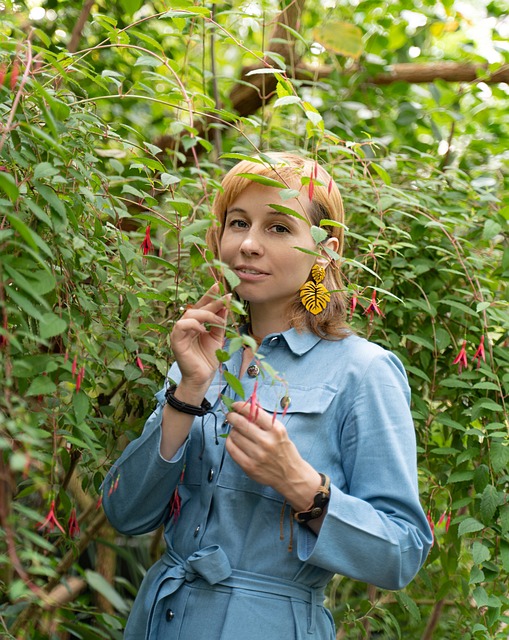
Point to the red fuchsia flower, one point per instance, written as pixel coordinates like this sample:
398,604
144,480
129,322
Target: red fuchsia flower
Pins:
79,378
3,72
329,188
353,303
14,73
311,187
480,353
253,403
373,307
74,366
461,358
51,521
146,245
72,525
99,501
448,522
140,363
114,485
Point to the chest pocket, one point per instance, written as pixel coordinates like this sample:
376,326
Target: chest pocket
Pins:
302,409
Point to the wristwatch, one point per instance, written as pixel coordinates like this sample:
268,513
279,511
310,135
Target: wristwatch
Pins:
320,501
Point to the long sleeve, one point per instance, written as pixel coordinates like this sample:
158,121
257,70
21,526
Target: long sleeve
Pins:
139,486
375,529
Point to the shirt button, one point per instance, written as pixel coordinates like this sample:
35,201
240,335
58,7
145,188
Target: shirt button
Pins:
197,531
253,370
274,341
285,402
211,475
169,615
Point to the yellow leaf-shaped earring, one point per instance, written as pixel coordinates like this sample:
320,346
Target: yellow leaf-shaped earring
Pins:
313,294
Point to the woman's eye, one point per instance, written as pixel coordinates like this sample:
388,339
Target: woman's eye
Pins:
280,228
240,224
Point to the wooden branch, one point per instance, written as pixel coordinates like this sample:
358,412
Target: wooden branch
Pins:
417,73
252,91
78,27
448,71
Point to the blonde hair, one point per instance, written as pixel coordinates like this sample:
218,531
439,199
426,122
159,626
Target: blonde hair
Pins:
326,203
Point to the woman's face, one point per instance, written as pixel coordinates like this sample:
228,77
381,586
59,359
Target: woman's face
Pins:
259,245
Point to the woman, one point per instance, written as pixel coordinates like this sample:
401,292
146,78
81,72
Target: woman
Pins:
317,474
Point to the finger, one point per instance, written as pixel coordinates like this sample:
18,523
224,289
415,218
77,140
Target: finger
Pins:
253,414
211,296
205,316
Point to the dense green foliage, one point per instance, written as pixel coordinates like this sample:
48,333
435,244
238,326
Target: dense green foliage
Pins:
109,159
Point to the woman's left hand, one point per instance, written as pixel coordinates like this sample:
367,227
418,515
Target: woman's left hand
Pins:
261,446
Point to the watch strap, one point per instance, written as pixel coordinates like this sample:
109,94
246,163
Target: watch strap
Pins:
320,501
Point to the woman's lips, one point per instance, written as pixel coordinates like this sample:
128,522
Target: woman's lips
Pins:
250,274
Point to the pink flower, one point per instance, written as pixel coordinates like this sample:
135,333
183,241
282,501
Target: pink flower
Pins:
373,307
79,378
461,358
480,353
146,245
140,363
353,304
51,521
72,525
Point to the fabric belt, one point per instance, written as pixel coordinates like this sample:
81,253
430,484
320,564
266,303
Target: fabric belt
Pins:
212,565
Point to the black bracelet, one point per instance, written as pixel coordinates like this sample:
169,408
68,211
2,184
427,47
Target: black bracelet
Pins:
183,407
320,501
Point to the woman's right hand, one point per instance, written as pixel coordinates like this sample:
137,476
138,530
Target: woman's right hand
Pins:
197,336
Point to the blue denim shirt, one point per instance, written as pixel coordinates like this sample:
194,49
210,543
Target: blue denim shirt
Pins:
226,567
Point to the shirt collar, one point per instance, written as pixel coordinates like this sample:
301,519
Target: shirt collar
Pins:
299,343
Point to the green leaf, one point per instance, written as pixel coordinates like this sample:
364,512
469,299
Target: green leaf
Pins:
264,180
167,179
504,554
340,37
81,406
286,100
102,586
33,239
288,211
489,503
235,384
469,525
499,457
41,386
406,603
318,234
480,552
381,172
8,185
23,303
44,170
51,325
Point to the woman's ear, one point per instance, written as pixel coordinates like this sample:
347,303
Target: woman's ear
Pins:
333,244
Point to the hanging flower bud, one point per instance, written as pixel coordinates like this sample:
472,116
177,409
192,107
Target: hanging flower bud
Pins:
146,245
50,522
3,73
461,358
353,303
14,73
140,363
373,307
480,353
72,525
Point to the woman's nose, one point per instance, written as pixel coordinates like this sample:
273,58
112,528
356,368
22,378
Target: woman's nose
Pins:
251,244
